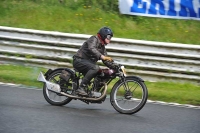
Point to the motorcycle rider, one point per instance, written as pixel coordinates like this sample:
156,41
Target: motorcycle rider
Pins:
92,50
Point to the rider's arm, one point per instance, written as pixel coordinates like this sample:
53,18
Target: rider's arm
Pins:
92,46
109,63
106,58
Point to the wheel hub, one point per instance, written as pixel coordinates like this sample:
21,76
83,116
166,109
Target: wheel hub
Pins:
128,95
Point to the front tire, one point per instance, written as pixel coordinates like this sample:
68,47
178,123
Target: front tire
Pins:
130,96
55,98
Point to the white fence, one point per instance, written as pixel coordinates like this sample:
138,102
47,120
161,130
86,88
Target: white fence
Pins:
150,60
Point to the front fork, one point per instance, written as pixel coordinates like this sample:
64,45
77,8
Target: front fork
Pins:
123,79
128,94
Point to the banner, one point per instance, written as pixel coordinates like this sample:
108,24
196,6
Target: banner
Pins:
178,9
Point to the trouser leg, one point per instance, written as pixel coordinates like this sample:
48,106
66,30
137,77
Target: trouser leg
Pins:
90,74
89,70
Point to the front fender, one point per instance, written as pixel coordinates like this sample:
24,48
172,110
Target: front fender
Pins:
135,77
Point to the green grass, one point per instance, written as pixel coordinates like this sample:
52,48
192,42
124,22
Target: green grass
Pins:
174,92
86,17
186,93
20,75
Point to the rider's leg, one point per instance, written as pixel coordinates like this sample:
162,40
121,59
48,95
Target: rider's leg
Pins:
89,69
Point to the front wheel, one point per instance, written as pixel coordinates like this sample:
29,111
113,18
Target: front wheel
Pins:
129,96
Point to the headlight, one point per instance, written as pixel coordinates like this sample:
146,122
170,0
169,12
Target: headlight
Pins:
123,70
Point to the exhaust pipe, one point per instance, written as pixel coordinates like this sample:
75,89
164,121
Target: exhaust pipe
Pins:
88,98
50,86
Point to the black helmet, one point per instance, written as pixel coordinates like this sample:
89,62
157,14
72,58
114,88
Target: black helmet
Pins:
105,32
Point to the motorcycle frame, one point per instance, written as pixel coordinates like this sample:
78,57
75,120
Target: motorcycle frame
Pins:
76,76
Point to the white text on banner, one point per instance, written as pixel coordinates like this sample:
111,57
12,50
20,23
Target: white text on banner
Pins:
179,9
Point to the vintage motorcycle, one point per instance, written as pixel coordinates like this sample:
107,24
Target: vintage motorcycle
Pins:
128,95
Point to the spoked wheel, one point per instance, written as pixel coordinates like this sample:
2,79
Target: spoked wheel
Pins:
56,98
130,96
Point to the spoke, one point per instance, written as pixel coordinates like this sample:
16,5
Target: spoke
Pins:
119,99
134,99
55,81
124,101
132,86
134,89
129,88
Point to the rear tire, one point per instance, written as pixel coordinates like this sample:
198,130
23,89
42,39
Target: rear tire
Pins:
55,98
129,102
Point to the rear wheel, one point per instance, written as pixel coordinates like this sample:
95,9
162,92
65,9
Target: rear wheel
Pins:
56,98
130,96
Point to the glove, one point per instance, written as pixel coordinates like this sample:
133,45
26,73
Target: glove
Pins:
116,66
106,58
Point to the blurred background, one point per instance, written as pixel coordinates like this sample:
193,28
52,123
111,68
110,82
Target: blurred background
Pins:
87,16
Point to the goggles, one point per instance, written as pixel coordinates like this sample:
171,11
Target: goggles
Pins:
109,37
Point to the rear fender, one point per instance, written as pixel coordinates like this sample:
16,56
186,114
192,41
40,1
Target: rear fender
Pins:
50,71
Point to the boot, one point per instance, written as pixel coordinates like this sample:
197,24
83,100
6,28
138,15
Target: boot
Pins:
81,90
83,86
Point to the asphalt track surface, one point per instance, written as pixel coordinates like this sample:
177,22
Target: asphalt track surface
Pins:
26,111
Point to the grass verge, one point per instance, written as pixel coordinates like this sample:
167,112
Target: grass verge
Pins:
184,93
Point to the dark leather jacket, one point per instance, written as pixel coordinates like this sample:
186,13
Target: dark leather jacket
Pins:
92,49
